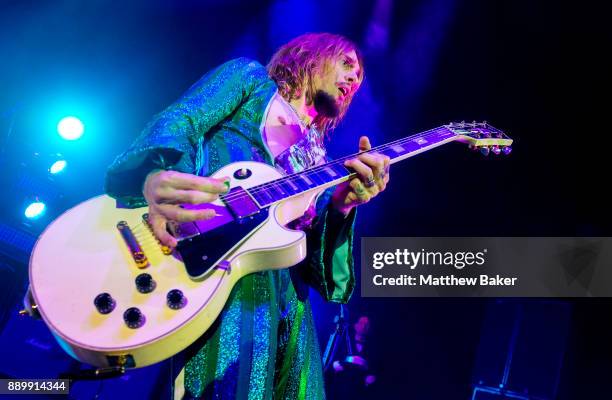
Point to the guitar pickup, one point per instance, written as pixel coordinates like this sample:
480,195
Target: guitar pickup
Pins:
240,203
132,243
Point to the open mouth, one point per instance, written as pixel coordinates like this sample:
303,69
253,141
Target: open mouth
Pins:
343,90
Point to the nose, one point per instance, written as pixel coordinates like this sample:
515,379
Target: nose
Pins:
352,78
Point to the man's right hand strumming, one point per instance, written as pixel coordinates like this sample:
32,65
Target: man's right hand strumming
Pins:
165,191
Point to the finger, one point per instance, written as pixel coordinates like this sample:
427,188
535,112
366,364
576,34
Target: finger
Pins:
386,171
179,180
158,223
360,191
365,173
364,143
178,214
351,198
386,164
173,196
376,163
382,175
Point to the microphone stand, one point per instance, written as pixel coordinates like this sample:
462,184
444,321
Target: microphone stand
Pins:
341,321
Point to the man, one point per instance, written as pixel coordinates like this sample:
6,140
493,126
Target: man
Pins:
263,344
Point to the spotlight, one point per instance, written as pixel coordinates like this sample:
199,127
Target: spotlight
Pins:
57,167
70,128
35,210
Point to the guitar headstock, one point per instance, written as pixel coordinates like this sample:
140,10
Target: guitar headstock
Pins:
481,136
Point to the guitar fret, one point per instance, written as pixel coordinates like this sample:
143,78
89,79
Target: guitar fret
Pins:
277,188
389,152
340,169
398,148
289,181
306,179
330,172
262,197
317,176
303,185
288,188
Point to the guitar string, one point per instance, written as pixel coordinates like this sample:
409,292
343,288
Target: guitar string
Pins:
259,188
263,187
316,169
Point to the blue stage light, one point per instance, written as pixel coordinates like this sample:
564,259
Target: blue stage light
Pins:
70,128
35,210
58,166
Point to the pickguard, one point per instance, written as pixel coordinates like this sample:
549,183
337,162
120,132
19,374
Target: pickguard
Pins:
202,252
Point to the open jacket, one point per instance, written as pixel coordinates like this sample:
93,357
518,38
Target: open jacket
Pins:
264,343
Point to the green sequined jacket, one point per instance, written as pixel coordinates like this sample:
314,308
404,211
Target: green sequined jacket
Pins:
264,344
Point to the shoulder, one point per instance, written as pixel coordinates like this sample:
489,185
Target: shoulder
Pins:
239,73
244,67
244,62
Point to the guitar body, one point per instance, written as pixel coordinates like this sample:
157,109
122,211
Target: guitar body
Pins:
113,296
83,254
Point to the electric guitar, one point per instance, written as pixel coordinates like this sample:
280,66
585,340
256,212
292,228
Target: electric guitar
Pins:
113,296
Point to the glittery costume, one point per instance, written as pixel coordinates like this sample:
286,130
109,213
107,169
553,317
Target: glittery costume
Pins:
264,343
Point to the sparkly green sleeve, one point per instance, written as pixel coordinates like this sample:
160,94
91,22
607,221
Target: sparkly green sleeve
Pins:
171,139
330,252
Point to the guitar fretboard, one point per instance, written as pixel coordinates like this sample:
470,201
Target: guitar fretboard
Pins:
335,172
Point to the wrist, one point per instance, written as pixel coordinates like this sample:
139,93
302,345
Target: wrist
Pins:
344,211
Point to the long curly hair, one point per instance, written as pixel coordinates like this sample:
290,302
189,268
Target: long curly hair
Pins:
295,63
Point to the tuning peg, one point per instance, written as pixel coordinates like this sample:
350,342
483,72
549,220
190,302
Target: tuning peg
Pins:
506,150
496,150
484,150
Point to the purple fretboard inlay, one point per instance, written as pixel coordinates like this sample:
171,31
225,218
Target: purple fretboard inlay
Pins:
295,184
318,176
405,147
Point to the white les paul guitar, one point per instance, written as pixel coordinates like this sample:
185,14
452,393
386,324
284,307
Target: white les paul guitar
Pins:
112,296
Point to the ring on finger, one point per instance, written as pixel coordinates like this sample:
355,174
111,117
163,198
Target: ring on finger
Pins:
370,182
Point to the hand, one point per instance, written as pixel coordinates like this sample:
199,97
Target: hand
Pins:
373,175
165,191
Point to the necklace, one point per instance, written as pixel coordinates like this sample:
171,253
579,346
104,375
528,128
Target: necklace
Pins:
301,121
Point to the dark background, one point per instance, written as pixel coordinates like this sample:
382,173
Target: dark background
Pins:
538,70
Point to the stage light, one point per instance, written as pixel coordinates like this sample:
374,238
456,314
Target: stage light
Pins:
70,128
35,210
58,167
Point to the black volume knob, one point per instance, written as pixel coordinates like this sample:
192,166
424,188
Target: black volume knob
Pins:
176,299
104,303
145,283
134,318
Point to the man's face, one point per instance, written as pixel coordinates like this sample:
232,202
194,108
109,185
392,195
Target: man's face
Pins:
339,79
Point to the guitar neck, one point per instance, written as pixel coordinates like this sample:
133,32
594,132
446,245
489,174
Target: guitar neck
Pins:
334,172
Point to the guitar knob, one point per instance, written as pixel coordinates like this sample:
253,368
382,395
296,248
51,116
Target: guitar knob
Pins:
145,283
104,303
134,318
176,299
506,150
242,173
484,150
496,150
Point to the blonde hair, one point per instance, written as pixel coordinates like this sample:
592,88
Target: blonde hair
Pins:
295,63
